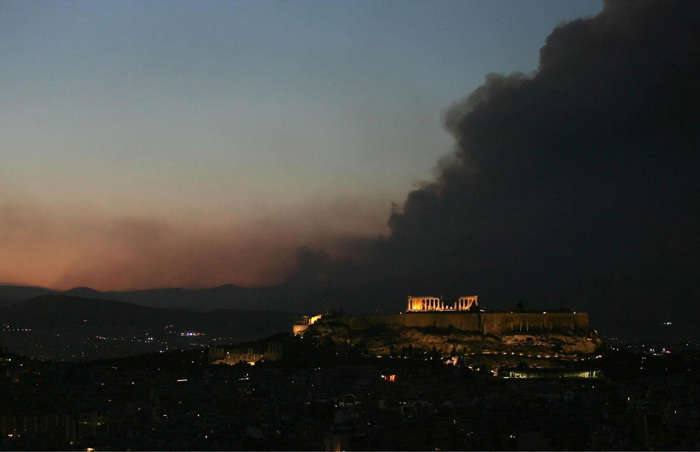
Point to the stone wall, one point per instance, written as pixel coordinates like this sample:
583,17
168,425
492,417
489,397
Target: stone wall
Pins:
494,323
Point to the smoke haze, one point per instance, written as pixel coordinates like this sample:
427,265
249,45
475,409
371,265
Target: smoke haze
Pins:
63,249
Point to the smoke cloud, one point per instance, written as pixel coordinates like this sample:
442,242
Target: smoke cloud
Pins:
578,182
61,249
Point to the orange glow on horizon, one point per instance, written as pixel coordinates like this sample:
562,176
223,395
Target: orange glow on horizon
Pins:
60,250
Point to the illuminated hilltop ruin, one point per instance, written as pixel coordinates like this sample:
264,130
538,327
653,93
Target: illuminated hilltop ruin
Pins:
431,323
432,304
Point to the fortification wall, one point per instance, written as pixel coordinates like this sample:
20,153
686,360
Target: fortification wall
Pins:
503,323
495,323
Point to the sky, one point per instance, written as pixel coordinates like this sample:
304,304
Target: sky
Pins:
178,143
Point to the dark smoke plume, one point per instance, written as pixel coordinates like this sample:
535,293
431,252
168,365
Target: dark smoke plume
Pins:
576,185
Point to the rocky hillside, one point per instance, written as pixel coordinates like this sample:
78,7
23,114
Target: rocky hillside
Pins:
391,338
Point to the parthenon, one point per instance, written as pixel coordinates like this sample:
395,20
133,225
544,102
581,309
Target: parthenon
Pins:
429,303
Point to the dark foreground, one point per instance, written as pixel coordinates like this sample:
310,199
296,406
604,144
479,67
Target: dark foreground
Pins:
317,399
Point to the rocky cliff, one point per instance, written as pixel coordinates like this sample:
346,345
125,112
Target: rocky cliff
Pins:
561,334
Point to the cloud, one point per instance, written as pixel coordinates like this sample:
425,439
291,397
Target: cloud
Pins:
578,181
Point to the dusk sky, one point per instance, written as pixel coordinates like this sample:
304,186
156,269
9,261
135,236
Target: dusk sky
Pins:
151,144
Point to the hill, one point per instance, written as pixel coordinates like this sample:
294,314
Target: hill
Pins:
65,312
60,326
10,294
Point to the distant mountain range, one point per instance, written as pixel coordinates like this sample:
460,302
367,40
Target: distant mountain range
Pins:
10,294
223,297
284,298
